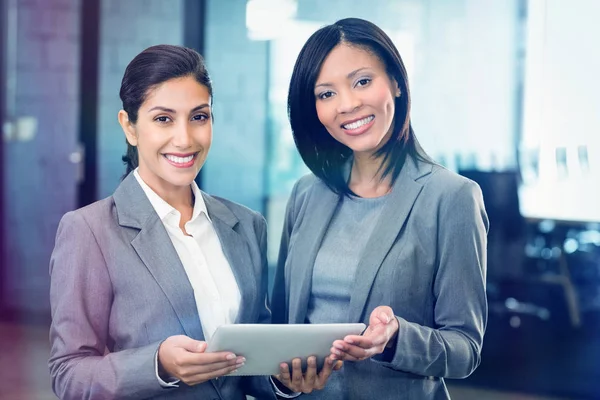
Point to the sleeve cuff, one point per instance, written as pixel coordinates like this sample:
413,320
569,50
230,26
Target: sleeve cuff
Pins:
172,383
279,393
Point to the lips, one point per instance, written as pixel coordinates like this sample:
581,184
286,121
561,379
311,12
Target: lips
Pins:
181,160
357,123
358,126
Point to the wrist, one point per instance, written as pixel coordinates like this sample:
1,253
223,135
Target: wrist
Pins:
163,377
280,385
161,371
283,391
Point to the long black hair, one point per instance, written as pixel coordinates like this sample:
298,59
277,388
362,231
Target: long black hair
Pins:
324,155
153,66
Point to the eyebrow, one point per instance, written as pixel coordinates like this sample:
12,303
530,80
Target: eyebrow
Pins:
349,76
170,110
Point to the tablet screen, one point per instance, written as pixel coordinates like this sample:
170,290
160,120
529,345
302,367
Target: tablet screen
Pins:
265,346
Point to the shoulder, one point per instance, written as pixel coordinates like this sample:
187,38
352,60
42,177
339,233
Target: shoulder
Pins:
96,213
87,224
448,185
447,196
304,186
457,199
307,181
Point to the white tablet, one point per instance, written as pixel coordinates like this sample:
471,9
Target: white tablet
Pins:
266,346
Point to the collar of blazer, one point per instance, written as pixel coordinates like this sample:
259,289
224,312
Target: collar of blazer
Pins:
135,210
155,249
322,203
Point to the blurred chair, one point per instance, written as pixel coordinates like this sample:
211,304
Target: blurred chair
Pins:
528,276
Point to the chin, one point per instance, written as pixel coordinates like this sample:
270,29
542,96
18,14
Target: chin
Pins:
181,180
364,147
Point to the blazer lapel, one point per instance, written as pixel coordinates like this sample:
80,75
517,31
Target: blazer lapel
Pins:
393,216
235,248
320,208
154,247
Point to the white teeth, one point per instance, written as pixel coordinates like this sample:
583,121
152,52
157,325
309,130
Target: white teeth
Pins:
179,160
359,123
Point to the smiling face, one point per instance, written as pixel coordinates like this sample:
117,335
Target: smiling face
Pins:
355,98
173,134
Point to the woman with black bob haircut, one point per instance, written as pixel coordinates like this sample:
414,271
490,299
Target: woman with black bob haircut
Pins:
324,155
142,279
378,233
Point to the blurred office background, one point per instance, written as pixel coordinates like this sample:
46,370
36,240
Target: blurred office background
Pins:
504,92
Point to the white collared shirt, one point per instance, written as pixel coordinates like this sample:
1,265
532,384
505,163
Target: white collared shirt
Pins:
216,291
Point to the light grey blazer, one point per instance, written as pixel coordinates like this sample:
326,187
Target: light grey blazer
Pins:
118,289
426,259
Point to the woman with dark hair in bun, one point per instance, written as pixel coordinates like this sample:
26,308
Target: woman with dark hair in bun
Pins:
142,279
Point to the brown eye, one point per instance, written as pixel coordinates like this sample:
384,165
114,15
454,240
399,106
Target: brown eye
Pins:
325,95
200,117
162,119
363,82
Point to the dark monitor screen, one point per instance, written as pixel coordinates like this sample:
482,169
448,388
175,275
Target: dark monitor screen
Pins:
501,199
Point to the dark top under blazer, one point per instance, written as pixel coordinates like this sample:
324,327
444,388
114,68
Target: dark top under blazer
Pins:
118,289
426,259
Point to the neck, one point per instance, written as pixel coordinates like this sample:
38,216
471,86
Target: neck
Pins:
178,197
181,198
366,177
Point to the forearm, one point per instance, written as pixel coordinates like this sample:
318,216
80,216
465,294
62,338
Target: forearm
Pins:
421,350
450,346
124,374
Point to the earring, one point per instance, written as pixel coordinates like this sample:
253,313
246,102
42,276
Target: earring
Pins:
398,93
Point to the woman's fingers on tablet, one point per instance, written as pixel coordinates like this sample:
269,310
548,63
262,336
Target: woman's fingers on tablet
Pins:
338,364
210,358
297,374
348,352
328,365
342,355
310,377
284,374
190,364
206,358
197,373
375,338
217,366
310,380
293,380
357,348
203,377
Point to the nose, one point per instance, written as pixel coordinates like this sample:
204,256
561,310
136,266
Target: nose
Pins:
348,102
182,136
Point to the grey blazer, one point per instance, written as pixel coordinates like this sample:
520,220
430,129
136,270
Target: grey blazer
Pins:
426,260
118,289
